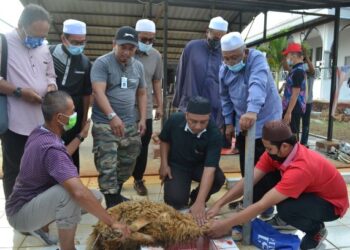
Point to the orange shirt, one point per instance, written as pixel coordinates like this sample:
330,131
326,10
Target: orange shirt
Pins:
305,171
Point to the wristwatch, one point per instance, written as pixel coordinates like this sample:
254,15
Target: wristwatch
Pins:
81,139
17,92
111,115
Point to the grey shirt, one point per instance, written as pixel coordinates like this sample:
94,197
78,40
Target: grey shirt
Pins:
153,66
108,70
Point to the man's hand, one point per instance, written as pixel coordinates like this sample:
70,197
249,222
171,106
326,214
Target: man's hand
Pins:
51,87
287,118
125,230
247,120
213,211
29,95
142,127
85,131
159,113
219,228
229,132
165,172
117,126
198,212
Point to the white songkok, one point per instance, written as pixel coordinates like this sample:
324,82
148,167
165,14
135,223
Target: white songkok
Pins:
74,27
218,23
231,41
145,25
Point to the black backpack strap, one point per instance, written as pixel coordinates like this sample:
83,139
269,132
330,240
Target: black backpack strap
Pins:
3,56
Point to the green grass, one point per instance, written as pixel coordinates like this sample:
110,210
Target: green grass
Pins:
341,130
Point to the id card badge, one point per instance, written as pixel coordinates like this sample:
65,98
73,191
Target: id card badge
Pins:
124,82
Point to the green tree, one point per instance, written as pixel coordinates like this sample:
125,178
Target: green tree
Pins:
273,50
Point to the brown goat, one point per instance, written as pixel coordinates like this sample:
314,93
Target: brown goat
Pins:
151,224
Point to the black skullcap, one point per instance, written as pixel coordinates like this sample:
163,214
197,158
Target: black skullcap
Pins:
199,105
276,131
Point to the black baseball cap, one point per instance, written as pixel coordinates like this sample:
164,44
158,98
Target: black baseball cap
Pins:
126,35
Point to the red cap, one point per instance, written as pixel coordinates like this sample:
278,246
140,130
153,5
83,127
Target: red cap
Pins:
292,47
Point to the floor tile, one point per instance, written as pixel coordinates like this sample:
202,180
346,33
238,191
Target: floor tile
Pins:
88,219
339,236
10,238
3,222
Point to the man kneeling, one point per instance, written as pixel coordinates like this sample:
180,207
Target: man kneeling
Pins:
310,192
190,150
48,187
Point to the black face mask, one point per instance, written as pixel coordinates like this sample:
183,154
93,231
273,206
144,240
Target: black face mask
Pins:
277,158
214,43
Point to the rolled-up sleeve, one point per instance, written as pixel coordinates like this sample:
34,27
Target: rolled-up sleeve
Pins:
50,73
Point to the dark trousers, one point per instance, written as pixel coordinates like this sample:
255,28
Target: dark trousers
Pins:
307,213
177,191
141,161
306,124
269,180
295,120
12,152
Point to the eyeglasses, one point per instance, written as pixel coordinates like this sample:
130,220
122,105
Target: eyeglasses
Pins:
147,40
77,43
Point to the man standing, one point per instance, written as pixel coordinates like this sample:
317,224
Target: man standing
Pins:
117,81
310,192
48,187
73,75
198,70
310,73
294,104
30,74
153,67
190,150
247,90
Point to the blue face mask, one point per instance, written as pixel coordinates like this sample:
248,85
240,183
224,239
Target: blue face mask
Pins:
289,62
75,49
145,47
237,67
33,42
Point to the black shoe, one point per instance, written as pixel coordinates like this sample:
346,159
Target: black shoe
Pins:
140,187
314,241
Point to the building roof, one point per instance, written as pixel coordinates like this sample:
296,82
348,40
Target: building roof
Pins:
187,19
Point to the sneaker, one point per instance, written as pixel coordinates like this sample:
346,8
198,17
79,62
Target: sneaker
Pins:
44,237
140,187
314,241
267,214
278,223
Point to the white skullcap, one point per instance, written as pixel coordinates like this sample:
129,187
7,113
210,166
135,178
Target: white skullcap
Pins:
145,25
231,41
74,27
218,23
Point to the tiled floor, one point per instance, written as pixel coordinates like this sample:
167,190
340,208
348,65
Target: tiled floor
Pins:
338,237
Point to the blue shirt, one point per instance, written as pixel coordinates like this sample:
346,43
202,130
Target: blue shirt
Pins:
197,75
250,90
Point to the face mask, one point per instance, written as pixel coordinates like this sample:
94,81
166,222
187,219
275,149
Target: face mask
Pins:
145,47
289,62
277,158
237,67
75,49
214,43
306,67
33,42
71,122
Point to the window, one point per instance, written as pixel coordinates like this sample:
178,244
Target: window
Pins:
319,54
347,60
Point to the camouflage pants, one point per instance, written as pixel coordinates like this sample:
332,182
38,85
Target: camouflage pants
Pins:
115,157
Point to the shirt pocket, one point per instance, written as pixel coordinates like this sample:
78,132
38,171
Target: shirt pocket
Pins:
133,82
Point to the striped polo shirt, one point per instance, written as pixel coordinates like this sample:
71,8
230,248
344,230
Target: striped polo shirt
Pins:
45,163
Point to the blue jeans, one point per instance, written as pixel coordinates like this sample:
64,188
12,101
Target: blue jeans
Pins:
306,124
